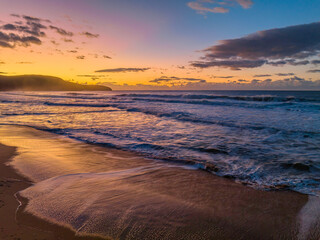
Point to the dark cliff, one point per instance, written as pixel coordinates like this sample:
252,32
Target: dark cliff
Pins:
44,83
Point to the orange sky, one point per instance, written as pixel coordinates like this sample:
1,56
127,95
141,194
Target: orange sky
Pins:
153,43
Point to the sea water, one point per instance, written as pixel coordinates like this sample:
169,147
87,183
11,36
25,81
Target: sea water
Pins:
265,139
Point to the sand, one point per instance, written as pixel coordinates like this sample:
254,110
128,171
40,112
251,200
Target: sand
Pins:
26,226
187,204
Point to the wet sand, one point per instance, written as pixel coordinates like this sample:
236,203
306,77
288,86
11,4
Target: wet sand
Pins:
142,200
14,225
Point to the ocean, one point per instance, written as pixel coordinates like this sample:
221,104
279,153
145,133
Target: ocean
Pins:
264,139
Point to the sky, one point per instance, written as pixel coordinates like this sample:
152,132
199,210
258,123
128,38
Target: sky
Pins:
165,45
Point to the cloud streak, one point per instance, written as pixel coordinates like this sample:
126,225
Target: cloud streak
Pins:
314,71
90,35
123,70
31,19
62,31
176,80
92,76
285,74
262,75
234,64
222,76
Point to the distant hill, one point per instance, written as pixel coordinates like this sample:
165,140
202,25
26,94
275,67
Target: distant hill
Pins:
44,83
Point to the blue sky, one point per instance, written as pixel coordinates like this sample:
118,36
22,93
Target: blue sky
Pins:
154,35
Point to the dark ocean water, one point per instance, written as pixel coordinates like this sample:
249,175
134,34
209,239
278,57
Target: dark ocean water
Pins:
267,139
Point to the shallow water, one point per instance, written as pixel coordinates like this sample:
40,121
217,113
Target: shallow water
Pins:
264,139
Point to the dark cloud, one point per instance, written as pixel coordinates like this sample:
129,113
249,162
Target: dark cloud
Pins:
9,27
277,63
61,31
233,64
262,75
72,51
90,35
32,28
34,19
36,25
297,63
255,81
54,42
22,33
30,39
314,71
222,76
118,70
5,44
295,78
67,40
59,51
290,45
81,57
267,80
29,18
292,62
176,80
10,40
2,62
108,57
315,62
285,74
15,15
275,43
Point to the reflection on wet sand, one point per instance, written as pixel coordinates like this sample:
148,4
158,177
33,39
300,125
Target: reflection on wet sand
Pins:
95,190
309,219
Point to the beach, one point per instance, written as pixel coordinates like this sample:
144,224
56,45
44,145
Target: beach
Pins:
14,226
160,120
141,200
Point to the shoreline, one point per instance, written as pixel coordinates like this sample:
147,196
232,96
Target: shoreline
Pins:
227,206
18,225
